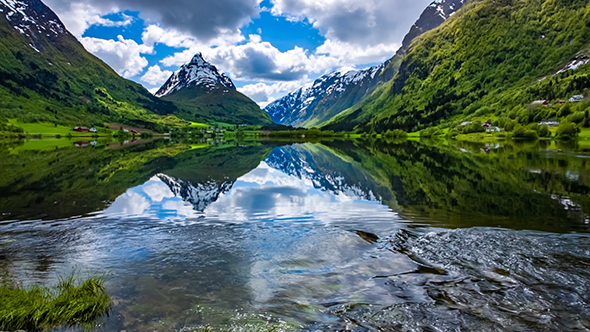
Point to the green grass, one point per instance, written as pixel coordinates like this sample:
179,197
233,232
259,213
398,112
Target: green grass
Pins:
198,125
42,145
487,61
49,129
40,308
585,134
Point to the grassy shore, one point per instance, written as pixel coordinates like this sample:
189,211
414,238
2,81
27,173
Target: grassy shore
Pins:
39,308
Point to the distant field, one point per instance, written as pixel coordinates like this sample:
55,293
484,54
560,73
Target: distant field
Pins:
585,134
198,125
42,145
117,126
48,129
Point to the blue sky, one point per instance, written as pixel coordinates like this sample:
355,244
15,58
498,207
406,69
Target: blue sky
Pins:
268,47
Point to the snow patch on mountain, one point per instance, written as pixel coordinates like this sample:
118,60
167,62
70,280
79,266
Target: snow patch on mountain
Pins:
573,65
200,195
32,19
197,72
304,100
446,8
298,107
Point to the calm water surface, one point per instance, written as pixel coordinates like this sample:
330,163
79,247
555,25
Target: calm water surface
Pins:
335,235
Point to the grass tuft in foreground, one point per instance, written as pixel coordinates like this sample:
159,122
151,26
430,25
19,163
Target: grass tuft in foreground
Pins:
69,303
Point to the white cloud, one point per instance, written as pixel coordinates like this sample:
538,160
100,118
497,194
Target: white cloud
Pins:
77,16
154,34
204,19
362,23
350,55
357,33
255,38
123,55
129,204
258,60
264,93
155,76
127,20
157,190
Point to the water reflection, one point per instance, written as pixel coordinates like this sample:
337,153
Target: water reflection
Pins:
154,200
362,235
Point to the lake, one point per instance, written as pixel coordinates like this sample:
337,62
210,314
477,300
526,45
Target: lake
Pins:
361,235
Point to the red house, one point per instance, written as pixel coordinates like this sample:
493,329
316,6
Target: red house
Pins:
80,129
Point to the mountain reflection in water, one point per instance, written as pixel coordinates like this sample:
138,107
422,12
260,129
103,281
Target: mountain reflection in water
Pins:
357,235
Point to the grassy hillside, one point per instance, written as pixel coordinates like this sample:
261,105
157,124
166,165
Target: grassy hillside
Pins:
58,81
492,58
217,105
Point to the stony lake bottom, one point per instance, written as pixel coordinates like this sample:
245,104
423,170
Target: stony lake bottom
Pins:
330,235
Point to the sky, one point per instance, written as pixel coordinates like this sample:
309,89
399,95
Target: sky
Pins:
268,47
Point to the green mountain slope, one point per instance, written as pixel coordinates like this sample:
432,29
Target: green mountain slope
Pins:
492,58
204,94
333,93
228,106
46,75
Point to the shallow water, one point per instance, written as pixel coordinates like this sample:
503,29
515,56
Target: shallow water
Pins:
330,236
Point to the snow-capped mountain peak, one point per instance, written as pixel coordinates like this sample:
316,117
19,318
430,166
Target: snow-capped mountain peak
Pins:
297,107
198,60
33,19
198,72
330,94
446,8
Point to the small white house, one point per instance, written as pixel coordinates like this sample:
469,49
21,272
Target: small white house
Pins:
493,129
576,99
125,130
93,130
550,123
465,123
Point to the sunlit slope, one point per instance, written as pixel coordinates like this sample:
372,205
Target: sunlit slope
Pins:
488,58
46,75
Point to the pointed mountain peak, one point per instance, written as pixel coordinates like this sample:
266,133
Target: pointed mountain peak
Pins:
196,73
198,60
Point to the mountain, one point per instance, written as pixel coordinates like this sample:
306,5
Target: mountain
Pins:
325,170
198,72
199,195
46,75
324,98
331,94
203,94
201,176
488,61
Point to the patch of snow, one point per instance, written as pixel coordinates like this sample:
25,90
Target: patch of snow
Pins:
197,72
28,21
575,64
